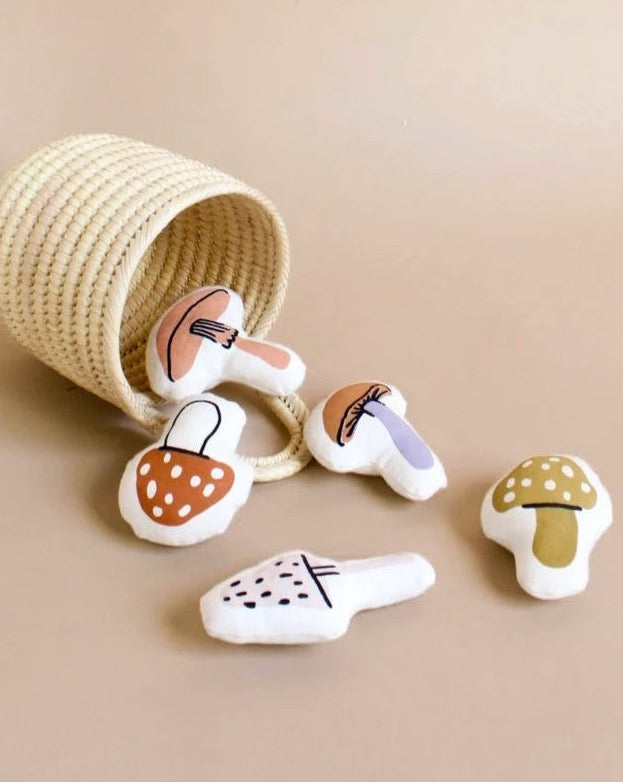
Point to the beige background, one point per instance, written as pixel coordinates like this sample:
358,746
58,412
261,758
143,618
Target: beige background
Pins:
451,176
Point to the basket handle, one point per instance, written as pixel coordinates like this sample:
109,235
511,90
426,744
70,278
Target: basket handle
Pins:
291,411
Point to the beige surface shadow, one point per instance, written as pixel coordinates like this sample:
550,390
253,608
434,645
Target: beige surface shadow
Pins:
43,410
182,622
495,565
101,495
370,487
44,407
374,486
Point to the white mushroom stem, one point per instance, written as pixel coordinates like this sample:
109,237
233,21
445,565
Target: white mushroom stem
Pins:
242,359
228,337
263,365
206,425
379,581
193,426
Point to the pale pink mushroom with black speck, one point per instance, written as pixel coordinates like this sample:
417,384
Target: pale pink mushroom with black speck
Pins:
298,597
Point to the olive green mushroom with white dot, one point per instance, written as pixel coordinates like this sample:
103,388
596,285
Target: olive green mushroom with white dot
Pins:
549,511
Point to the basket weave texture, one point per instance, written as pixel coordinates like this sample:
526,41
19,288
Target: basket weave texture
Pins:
100,234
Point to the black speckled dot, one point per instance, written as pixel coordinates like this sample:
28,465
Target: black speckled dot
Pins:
302,595
234,583
241,594
298,583
284,601
279,563
285,575
226,599
250,604
266,594
258,580
295,564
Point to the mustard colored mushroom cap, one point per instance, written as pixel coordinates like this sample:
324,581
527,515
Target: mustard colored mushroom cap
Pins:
555,481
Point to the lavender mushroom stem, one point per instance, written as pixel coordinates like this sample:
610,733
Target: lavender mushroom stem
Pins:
404,437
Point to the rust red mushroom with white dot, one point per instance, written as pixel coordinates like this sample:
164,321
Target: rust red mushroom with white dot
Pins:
187,487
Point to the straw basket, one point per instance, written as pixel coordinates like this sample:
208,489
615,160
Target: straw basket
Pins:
100,234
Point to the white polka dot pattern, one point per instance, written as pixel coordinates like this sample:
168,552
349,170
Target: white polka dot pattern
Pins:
169,499
544,480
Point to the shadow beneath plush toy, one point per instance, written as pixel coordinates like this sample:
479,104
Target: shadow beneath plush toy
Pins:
371,486
183,621
45,413
495,564
375,487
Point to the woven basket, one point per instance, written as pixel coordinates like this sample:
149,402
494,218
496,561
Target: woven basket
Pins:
100,234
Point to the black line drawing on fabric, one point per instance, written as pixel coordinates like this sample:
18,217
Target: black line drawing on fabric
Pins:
217,332
201,452
178,325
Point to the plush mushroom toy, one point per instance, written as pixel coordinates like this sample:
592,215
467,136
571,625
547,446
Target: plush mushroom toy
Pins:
362,428
187,487
298,597
549,511
199,343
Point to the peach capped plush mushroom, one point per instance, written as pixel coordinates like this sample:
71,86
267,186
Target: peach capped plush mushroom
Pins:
549,511
199,342
361,428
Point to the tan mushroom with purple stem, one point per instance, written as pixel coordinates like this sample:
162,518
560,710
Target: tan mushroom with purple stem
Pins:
549,511
362,428
199,342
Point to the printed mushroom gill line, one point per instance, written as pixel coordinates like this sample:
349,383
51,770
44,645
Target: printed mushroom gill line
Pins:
314,576
226,336
551,505
217,332
178,325
404,437
351,415
347,428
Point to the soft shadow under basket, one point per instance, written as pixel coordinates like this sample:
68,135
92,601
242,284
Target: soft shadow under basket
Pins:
100,234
